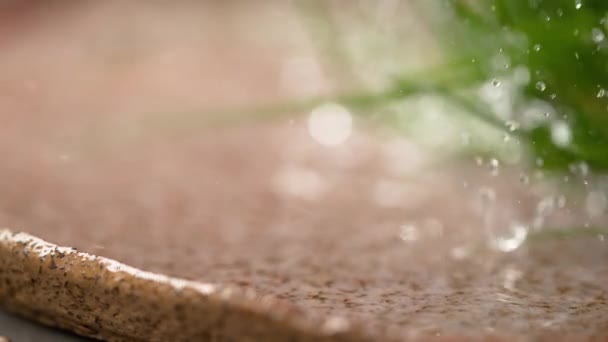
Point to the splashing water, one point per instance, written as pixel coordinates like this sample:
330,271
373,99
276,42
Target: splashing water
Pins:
512,240
512,126
494,165
541,86
561,134
499,238
597,35
544,208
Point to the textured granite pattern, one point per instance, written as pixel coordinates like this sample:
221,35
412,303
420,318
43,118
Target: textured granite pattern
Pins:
100,298
286,263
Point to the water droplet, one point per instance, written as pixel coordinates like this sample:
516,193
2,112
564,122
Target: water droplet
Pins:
409,233
601,93
545,206
524,179
596,203
512,126
536,47
578,4
541,86
597,35
494,164
330,124
496,83
513,239
561,134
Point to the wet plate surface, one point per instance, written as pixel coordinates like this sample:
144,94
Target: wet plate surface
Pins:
305,227
435,258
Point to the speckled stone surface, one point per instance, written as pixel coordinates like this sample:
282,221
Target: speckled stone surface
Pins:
101,298
267,259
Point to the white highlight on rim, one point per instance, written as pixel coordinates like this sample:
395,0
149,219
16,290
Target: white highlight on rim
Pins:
44,248
330,325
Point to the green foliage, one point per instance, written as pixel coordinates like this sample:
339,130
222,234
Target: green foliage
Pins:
562,43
